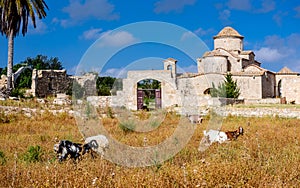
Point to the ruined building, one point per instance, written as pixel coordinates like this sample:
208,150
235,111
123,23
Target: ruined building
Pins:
52,82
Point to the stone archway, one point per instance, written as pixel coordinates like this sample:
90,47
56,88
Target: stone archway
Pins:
148,94
166,95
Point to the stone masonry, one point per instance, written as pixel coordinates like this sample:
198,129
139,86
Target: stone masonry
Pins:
190,91
49,82
52,82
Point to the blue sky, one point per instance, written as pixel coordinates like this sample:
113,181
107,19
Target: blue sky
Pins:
271,29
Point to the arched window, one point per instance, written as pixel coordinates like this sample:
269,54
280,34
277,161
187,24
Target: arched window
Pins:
207,91
279,89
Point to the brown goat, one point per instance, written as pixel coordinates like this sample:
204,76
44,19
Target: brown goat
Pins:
233,135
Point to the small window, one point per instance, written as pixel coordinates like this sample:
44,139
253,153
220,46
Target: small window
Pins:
207,91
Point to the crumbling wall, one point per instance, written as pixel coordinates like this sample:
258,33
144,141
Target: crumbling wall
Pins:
87,82
49,82
52,82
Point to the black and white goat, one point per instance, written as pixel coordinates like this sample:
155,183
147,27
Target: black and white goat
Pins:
66,148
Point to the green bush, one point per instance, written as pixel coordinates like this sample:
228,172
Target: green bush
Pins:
110,112
227,89
16,92
4,118
33,154
127,126
2,158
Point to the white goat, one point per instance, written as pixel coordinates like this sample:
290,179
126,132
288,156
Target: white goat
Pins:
215,136
220,136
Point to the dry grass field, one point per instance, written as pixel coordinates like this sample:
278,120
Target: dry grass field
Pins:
267,155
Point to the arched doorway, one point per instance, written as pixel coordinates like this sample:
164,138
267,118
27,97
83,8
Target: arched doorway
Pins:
148,94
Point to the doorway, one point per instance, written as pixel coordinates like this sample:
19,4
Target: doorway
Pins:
149,95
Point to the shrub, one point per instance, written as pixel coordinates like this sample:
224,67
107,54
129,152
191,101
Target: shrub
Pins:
33,154
2,158
16,92
4,118
110,112
227,89
127,126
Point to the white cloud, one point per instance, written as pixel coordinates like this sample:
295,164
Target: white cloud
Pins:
224,16
294,40
279,16
97,9
202,32
267,54
274,40
91,34
297,9
266,6
115,72
281,51
262,6
41,27
239,4
199,32
116,39
187,35
166,6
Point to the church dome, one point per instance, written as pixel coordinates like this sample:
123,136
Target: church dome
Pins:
228,32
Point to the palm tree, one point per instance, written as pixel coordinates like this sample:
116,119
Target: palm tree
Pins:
14,16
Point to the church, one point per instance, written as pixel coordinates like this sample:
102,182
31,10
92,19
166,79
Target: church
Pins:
191,90
255,82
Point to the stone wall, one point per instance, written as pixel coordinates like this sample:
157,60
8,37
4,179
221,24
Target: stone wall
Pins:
250,86
52,82
100,101
190,92
290,88
129,93
87,82
213,64
229,43
263,101
259,112
49,82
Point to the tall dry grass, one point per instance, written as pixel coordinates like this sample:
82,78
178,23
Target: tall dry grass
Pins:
267,155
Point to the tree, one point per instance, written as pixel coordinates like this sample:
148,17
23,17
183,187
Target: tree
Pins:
40,62
104,85
227,89
14,16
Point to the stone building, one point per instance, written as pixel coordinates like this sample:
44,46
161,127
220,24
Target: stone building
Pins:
49,82
191,90
52,82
